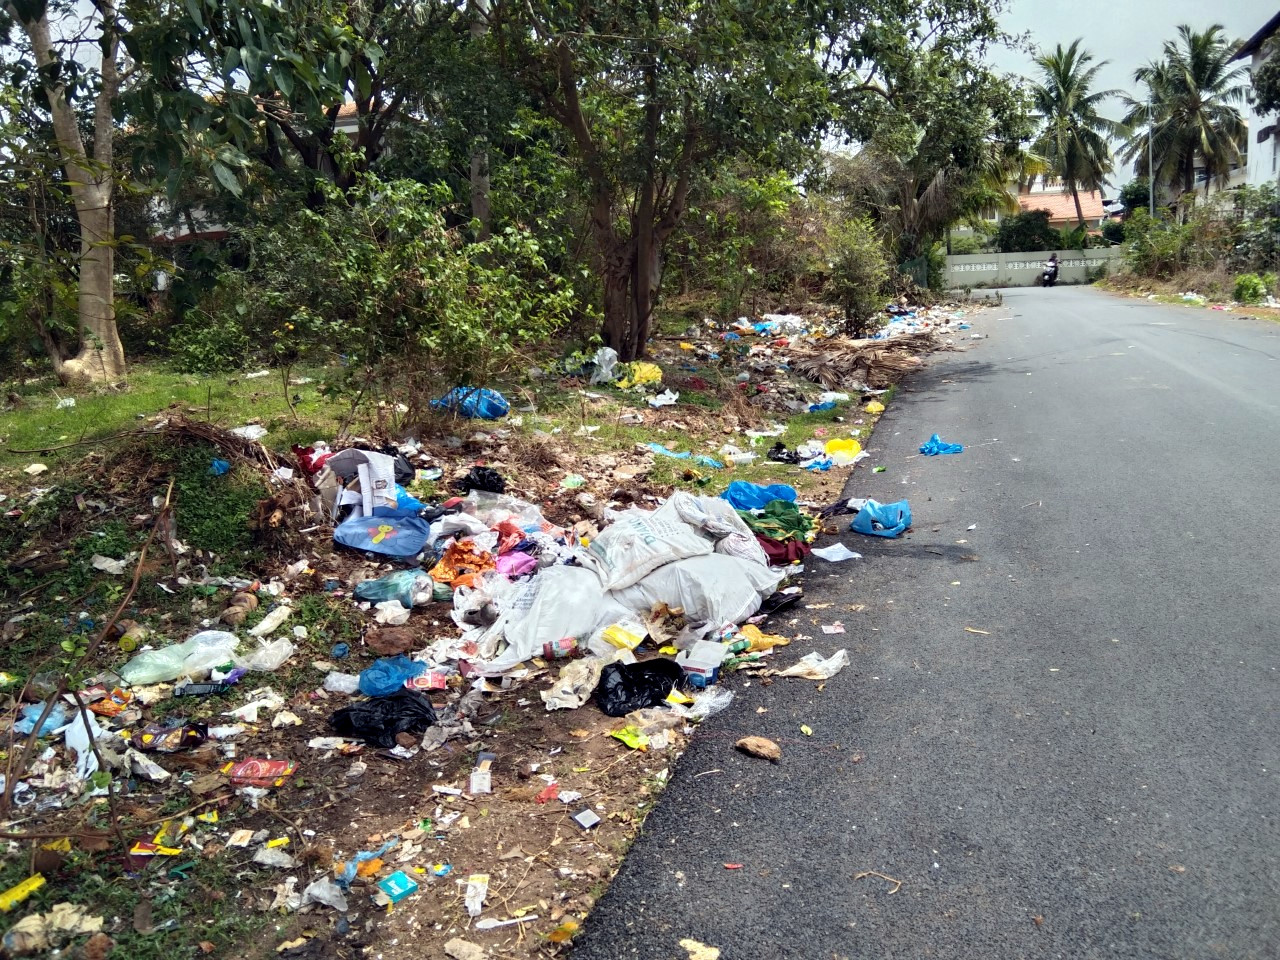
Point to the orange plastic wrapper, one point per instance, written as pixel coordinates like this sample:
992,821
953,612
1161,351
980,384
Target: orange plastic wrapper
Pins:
461,564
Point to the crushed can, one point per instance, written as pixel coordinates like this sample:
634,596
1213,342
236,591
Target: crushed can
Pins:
561,649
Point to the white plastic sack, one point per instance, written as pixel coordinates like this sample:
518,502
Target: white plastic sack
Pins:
719,522
558,602
641,541
714,589
192,658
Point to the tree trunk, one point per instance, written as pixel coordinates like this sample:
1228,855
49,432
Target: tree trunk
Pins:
101,355
631,283
1075,195
480,206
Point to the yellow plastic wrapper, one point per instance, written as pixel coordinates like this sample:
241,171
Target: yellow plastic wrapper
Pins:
761,640
844,445
632,737
639,373
875,406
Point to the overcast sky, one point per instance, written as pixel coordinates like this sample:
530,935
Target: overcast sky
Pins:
1128,33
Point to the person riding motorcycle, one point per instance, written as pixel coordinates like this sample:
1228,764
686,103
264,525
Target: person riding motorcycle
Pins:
1050,275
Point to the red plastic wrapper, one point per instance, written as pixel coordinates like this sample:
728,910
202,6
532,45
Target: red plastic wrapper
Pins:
256,772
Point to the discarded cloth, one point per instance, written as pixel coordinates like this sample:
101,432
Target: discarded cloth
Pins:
782,554
462,562
882,519
782,521
377,721
936,445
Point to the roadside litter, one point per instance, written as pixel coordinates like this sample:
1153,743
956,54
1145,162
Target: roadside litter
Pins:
936,445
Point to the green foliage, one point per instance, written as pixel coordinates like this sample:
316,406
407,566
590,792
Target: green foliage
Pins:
1027,232
210,343
1136,194
1156,246
1266,85
859,274
1073,238
964,246
1191,114
1075,137
1113,231
1250,288
383,282
212,513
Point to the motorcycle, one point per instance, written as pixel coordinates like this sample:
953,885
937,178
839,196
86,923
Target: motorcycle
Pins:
1050,275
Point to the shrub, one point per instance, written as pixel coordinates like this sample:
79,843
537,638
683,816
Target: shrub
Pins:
1113,231
1027,232
858,276
962,246
377,278
1250,288
1156,247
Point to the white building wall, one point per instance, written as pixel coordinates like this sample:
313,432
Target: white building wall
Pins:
1264,158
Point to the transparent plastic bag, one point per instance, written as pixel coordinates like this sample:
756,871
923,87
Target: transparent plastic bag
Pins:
268,656
403,585
193,658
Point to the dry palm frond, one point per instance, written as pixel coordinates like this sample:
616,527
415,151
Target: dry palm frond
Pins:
837,362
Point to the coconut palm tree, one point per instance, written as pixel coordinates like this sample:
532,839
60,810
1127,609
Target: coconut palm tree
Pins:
1075,138
1192,111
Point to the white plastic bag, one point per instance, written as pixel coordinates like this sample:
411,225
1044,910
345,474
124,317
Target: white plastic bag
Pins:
641,541
269,656
272,620
715,589
390,612
576,683
336,682
606,361
812,666
192,658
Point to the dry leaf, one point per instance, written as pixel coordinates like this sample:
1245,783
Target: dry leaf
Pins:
761,747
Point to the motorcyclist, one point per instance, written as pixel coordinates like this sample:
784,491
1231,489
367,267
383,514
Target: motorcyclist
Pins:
1051,270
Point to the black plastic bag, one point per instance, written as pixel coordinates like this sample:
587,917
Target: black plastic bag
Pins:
377,721
780,454
624,687
404,472
482,478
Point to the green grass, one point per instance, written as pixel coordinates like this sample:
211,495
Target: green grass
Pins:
35,422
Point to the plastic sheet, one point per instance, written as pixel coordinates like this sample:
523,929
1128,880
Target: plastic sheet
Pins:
378,721
384,677
627,687
882,519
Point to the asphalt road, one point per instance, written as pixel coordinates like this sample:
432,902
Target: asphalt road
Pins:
1093,776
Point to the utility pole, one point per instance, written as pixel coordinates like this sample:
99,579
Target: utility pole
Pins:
1151,164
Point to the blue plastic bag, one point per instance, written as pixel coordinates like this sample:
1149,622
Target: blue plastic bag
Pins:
478,402
218,466
388,675
59,716
400,586
406,501
391,533
936,445
752,496
701,460
882,519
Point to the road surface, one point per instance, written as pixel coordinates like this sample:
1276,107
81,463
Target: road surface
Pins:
1091,776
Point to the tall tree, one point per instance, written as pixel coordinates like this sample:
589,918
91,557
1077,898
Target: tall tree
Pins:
656,94
1075,138
90,176
1192,113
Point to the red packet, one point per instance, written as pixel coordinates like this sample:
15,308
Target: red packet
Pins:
255,772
